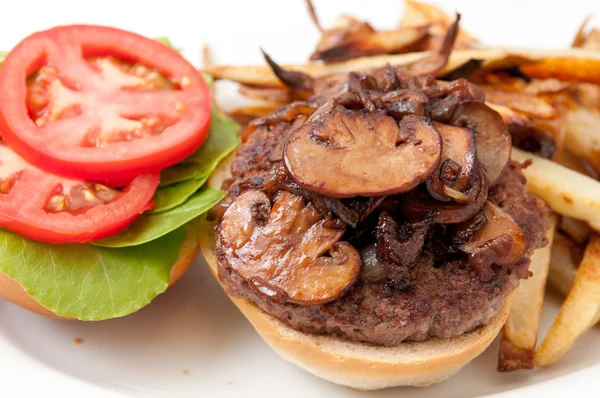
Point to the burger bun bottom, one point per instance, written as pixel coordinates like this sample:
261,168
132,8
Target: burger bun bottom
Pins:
359,365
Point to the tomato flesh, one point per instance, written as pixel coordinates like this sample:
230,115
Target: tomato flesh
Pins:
99,103
49,208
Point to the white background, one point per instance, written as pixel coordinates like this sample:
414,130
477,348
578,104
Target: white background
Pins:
194,327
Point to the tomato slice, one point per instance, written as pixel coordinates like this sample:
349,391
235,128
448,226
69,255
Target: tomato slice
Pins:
49,208
100,103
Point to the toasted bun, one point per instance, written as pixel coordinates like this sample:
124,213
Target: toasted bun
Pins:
359,365
14,292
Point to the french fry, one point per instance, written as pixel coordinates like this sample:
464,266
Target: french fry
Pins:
579,312
576,230
420,14
565,68
342,46
567,192
244,115
588,40
583,135
568,62
510,117
525,103
564,261
266,93
255,110
521,327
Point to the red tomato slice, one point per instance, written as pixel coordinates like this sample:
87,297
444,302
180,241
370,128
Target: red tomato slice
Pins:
45,207
101,103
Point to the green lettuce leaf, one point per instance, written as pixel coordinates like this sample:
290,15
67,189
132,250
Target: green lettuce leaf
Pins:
88,282
149,227
182,180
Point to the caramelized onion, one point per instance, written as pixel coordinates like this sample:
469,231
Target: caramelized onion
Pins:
450,212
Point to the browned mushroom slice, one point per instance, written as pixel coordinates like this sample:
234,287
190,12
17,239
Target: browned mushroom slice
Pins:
500,241
455,174
345,154
287,253
449,212
492,140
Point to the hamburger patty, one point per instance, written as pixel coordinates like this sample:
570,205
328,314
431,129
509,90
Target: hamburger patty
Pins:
445,297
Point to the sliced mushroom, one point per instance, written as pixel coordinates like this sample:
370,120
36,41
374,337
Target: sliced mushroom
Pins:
500,241
345,154
457,169
288,253
449,212
492,141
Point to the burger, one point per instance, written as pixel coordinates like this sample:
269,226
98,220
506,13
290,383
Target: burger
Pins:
375,233
107,140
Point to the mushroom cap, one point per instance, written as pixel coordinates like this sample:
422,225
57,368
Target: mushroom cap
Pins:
341,153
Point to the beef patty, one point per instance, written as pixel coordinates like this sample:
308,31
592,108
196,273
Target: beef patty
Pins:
443,299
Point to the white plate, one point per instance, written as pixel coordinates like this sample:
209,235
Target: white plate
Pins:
191,341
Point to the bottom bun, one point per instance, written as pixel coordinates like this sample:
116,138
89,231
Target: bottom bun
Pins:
359,365
15,293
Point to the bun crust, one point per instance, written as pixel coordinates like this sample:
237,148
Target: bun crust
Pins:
359,365
14,292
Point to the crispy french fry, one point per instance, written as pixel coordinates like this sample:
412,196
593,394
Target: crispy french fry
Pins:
588,40
583,135
266,93
579,312
521,327
255,111
525,103
245,114
567,69
341,46
567,192
564,260
493,58
419,14
510,117
576,230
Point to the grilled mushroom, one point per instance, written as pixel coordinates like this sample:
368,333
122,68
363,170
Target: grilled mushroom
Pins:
457,169
449,212
492,140
342,154
500,241
287,252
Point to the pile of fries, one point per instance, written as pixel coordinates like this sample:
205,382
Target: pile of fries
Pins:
550,102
